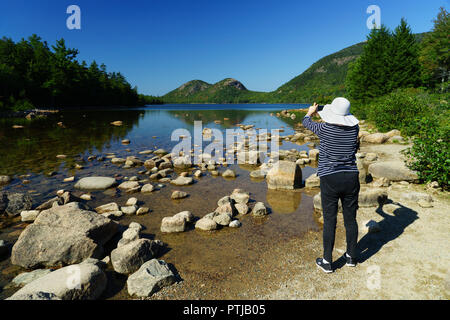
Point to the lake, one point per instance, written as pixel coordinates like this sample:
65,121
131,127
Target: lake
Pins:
29,157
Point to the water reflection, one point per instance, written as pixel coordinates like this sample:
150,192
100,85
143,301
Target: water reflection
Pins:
33,149
284,201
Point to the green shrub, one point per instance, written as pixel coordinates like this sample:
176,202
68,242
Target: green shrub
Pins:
401,109
23,104
429,156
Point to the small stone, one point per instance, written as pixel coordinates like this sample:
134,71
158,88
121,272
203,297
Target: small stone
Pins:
132,201
70,179
29,215
142,210
146,188
229,174
109,207
424,203
182,181
206,224
179,195
259,209
173,224
198,173
235,224
129,210
125,141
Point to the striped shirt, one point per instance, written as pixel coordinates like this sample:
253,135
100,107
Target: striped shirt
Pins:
338,146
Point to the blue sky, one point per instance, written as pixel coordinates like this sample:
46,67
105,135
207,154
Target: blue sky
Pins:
160,44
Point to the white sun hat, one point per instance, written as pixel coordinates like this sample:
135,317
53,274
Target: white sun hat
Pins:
338,112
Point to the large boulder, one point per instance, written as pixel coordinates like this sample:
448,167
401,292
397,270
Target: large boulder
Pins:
14,203
151,277
284,175
376,138
392,170
95,183
84,281
128,258
62,236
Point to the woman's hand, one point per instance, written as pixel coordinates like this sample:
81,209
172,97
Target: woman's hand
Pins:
312,109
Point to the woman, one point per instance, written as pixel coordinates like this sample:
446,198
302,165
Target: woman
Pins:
338,174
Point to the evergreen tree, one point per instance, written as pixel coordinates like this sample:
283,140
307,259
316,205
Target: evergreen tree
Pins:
403,63
435,53
369,74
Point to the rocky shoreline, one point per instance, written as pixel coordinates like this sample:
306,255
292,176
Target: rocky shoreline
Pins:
66,233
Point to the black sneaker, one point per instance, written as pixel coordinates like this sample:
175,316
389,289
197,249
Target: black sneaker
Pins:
351,262
326,267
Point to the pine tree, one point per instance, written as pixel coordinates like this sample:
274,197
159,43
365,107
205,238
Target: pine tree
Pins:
403,63
435,53
369,74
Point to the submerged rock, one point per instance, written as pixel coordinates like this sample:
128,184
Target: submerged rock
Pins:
179,194
95,183
259,209
14,203
182,181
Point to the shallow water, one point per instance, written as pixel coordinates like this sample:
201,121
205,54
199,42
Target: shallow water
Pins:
30,154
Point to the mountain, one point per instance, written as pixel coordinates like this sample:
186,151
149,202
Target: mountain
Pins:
321,82
228,90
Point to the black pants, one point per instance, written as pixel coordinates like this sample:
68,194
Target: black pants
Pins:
343,186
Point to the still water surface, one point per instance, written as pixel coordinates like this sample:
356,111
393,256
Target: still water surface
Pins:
29,155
